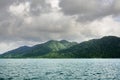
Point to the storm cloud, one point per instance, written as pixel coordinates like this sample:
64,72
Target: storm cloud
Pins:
29,22
87,10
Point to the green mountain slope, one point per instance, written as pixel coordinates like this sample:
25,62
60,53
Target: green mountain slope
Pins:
16,52
38,50
106,47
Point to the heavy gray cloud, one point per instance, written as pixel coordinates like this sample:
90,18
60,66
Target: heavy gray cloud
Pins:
89,10
28,22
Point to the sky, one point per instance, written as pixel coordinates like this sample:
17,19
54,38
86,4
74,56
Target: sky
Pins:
29,22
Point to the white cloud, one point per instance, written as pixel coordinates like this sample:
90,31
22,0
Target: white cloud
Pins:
21,9
106,26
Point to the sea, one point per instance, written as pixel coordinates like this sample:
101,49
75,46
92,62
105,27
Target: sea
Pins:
59,69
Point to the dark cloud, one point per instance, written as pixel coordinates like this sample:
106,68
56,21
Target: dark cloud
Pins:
13,15
27,22
35,20
39,6
89,10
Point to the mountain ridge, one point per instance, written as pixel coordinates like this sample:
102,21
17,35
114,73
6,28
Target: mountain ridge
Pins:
105,47
39,49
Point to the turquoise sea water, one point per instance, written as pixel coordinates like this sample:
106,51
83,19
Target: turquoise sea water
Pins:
59,69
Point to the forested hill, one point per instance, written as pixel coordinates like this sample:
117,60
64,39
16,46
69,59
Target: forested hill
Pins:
38,50
105,47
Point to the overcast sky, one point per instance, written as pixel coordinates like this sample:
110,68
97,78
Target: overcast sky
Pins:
28,22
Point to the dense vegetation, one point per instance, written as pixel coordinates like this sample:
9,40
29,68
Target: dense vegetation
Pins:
38,50
106,47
